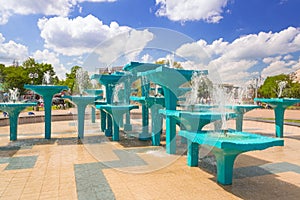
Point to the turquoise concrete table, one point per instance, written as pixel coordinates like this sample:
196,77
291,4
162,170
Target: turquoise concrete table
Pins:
154,104
192,121
240,110
110,81
170,80
195,121
116,112
279,105
99,94
198,107
13,110
47,91
134,68
225,148
81,102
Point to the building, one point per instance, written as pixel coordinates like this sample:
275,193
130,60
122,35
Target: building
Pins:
105,70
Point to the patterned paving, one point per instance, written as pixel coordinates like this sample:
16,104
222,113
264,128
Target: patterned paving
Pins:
65,168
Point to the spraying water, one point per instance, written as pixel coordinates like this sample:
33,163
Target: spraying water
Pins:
281,86
14,94
218,99
117,95
200,90
79,80
47,78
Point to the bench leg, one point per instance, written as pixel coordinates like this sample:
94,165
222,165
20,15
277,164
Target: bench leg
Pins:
192,153
156,124
170,135
115,135
103,120
225,162
108,130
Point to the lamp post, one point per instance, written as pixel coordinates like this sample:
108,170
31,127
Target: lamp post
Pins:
33,76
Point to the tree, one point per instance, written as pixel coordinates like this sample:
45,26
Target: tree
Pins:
41,69
14,77
270,88
176,65
71,79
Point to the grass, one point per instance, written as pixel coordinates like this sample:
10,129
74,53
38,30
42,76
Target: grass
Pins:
285,120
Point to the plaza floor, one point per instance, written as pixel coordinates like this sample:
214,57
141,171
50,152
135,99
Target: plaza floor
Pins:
98,168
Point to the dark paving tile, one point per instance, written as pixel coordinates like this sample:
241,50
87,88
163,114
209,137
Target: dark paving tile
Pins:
127,159
91,182
272,168
22,162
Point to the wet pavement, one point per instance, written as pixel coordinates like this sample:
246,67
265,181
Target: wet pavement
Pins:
97,168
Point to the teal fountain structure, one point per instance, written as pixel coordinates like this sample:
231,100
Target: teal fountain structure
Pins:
279,105
47,91
171,80
240,110
13,109
153,103
115,112
112,112
225,144
97,93
81,101
225,147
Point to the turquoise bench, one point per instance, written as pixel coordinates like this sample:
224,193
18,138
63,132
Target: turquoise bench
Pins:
225,148
116,112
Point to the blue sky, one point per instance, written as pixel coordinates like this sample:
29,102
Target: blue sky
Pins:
241,39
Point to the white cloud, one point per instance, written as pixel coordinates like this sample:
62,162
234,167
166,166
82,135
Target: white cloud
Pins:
232,60
288,57
126,46
48,57
76,36
260,45
191,10
279,65
88,36
45,7
10,51
147,58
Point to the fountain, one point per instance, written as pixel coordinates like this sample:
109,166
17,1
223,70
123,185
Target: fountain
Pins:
225,148
238,107
154,103
225,144
279,105
195,121
165,77
13,108
47,91
80,100
114,111
240,110
99,94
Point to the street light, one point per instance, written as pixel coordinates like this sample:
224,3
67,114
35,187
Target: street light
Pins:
33,76
257,82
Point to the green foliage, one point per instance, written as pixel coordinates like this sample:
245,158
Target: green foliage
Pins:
176,65
205,88
270,88
71,79
17,76
14,77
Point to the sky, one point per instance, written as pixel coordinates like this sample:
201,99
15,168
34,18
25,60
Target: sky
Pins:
240,39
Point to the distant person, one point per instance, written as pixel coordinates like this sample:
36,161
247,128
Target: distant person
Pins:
31,113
